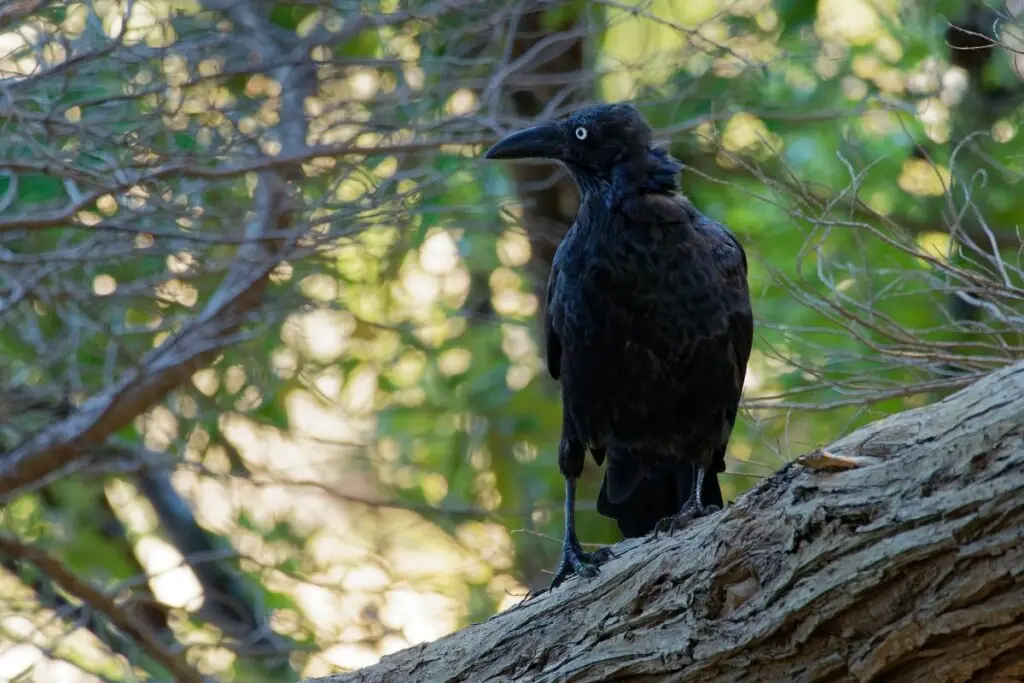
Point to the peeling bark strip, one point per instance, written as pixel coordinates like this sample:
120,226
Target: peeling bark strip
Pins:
895,555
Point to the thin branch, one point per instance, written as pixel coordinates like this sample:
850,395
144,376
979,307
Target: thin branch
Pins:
124,619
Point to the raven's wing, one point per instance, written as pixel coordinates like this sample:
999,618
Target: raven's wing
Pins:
553,341
731,262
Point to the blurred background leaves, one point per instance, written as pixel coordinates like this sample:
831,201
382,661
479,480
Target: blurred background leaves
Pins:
249,251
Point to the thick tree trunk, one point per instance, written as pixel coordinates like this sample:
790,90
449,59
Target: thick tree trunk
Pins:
895,554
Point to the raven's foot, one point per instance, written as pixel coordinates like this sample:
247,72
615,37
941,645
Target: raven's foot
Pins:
689,512
598,557
576,561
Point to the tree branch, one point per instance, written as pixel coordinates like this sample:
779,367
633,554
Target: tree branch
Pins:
894,554
125,619
197,344
160,371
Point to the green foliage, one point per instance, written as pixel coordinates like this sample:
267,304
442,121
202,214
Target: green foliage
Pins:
796,14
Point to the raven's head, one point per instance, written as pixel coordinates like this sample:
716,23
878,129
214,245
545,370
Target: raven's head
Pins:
604,146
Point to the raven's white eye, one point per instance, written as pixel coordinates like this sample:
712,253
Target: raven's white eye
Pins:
581,133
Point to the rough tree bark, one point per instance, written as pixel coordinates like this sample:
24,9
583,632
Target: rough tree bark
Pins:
895,554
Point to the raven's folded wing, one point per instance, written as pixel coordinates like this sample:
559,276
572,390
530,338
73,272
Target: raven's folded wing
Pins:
552,340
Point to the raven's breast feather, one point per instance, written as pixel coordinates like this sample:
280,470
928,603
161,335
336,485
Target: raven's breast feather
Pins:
625,391
643,311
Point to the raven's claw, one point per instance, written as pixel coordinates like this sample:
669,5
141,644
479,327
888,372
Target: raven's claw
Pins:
599,556
576,561
689,512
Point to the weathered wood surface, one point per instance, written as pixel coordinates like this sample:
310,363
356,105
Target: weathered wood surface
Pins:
895,554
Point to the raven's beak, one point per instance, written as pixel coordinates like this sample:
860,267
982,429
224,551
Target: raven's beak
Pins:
541,142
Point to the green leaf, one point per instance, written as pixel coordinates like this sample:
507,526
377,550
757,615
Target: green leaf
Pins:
364,44
289,15
795,14
35,188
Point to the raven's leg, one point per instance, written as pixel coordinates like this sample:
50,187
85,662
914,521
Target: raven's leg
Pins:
692,508
601,555
574,560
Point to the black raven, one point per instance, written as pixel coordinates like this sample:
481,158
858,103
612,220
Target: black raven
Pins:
648,327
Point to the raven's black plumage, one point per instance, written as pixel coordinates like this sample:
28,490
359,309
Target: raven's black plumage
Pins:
648,325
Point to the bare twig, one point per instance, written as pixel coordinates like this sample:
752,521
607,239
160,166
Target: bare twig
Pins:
174,662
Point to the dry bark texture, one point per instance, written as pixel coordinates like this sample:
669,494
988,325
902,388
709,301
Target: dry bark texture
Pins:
894,555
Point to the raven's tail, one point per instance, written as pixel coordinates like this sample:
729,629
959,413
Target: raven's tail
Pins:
638,496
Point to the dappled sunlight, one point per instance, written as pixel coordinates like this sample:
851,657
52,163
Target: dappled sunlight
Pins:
416,551
921,177
172,582
320,334
647,41
935,244
745,132
439,253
